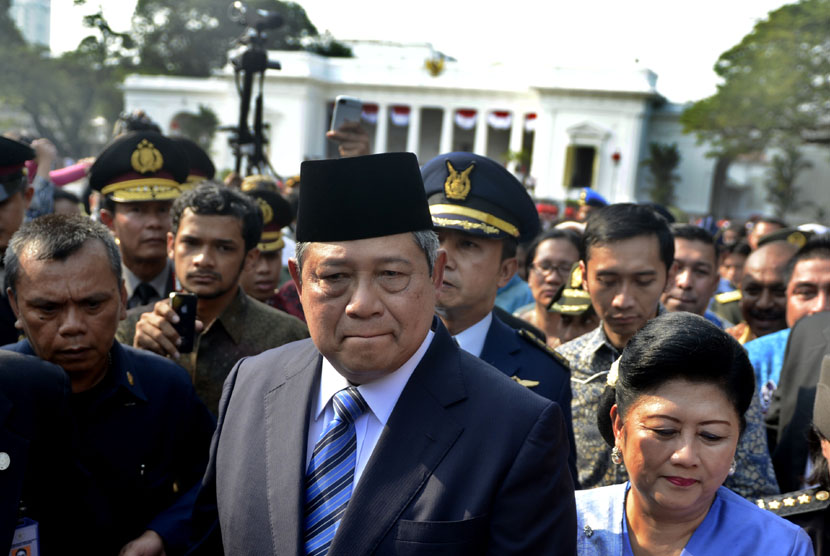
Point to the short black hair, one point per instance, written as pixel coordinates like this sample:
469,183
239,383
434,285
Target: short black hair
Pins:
690,232
210,199
625,221
678,345
817,247
65,195
54,237
568,235
735,248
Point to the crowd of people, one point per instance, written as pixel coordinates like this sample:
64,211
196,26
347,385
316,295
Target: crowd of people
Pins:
390,357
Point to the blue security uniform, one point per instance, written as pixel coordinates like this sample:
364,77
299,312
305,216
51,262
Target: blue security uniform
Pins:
143,438
529,361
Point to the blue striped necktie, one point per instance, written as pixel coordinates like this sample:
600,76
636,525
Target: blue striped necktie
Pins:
331,472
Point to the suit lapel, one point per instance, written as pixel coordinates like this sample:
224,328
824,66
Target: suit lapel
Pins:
416,438
287,409
500,348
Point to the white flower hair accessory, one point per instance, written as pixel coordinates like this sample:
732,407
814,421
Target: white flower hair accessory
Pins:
613,373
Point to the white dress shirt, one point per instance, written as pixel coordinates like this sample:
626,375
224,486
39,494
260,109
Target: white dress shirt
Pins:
381,395
472,339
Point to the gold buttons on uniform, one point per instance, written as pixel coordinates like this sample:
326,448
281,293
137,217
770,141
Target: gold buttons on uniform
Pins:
822,495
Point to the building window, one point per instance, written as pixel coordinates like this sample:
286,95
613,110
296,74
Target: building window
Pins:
580,166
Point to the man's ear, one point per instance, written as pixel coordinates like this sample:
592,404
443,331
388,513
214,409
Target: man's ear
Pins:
670,277
107,218
27,196
122,314
251,258
12,301
294,271
171,241
507,269
438,269
583,270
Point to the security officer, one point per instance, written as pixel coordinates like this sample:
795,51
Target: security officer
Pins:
201,166
589,200
15,196
481,212
139,175
810,508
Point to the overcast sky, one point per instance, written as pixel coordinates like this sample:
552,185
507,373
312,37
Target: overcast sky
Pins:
680,40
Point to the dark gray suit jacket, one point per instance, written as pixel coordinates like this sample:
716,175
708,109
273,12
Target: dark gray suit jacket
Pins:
470,462
790,414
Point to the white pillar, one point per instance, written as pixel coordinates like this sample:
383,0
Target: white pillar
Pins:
516,136
480,140
413,133
381,131
447,125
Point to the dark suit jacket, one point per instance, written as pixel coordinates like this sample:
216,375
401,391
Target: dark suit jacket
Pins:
790,413
36,435
515,356
468,463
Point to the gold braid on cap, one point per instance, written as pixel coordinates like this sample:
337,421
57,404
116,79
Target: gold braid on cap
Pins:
613,373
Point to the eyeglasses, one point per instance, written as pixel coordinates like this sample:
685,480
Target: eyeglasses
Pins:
545,268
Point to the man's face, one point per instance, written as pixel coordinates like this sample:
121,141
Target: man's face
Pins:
696,278
209,253
141,229
368,303
625,279
473,274
732,267
70,309
263,277
12,211
808,291
764,293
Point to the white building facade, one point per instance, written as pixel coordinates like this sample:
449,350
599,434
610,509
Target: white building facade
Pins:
32,18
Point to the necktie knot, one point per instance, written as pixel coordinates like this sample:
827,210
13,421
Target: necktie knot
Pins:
348,404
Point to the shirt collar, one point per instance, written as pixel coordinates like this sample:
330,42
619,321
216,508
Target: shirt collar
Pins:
472,339
131,281
600,338
381,395
232,318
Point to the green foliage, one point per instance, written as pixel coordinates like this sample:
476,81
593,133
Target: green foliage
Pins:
662,163
776,84
784,168
199,127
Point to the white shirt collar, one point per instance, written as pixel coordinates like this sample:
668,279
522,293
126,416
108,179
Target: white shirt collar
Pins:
131,281
472,339
381,395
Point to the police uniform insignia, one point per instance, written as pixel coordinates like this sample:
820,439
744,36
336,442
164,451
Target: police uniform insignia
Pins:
267,211
728,297
525,383
797,238
583,196
146,158
457,186
804,499
794,503
537,342
130,378
822,495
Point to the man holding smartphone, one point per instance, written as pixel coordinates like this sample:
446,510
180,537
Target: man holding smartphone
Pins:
215,231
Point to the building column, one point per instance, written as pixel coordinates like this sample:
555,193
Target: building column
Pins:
413,133
480,138
447,126
381,131
517,131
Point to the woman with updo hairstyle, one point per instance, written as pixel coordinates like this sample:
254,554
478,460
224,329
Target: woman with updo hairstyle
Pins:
673,412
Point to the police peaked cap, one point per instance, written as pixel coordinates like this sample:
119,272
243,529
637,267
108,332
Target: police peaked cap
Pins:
479,196
13,156
361,197
201,167
140,166
276,213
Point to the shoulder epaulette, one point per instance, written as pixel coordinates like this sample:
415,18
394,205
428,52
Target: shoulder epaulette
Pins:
798,502
537,342
728,297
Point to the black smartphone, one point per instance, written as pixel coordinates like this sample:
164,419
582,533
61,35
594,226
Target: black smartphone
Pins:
185,306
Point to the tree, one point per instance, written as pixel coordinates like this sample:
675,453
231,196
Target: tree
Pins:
199,127
193,38
662,163
781,190
776,85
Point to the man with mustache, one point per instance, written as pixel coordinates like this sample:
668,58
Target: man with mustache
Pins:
628,254
214,235
137,194
764,292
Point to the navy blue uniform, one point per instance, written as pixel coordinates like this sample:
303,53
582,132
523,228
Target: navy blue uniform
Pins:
143,438
520,356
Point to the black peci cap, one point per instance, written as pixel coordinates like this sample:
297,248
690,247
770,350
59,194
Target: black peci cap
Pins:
361,197
13,156
140,166
479,196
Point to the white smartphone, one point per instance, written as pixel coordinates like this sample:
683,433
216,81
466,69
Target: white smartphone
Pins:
346,109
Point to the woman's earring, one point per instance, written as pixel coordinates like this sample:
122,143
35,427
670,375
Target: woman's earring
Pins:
616,456
733,467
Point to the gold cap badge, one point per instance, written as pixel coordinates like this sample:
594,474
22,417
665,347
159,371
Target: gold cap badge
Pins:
457,186
146,158
576,277
267,211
